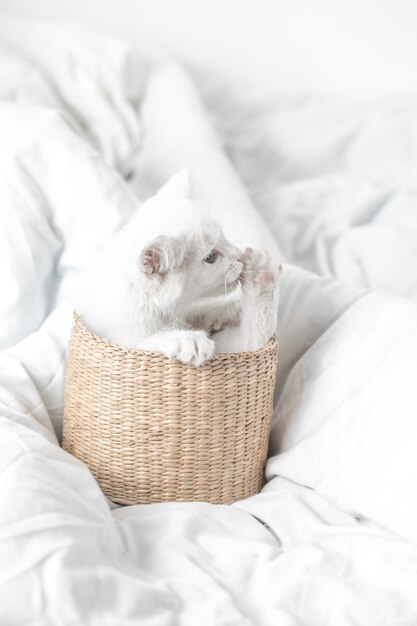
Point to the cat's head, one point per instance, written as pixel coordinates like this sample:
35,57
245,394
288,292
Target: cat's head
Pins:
189,258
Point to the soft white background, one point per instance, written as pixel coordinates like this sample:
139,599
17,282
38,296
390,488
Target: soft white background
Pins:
356,47
337,186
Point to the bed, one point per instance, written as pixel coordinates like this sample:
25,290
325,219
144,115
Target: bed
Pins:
89,127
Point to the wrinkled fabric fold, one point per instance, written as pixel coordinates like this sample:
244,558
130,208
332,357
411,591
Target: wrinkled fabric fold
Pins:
331,538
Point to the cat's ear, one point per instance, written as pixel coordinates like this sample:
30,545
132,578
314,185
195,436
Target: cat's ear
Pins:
161,256
178,187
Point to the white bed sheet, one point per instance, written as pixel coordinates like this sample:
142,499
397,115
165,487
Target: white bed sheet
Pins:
338,543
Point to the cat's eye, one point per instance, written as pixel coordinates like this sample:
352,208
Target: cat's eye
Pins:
211,257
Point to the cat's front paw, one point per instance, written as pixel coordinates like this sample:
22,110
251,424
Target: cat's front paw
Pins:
193,347
215,321
260,270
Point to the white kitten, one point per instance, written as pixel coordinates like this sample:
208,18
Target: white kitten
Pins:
163,284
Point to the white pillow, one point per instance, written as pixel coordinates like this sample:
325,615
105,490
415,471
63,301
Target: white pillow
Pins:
347,417
59,204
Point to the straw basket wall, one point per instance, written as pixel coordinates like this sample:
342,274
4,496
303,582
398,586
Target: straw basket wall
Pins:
152,429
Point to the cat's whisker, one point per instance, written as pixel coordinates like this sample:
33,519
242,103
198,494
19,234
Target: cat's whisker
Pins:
241,299
229,310
245,295
234,303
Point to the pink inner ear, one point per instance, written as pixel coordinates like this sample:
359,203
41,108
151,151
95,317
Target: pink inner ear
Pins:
151,261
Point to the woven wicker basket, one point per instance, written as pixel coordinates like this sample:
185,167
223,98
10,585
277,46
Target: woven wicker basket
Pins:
152,429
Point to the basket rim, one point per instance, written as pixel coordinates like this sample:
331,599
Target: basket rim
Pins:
271,345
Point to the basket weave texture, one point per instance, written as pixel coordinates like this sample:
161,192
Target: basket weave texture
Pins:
152,429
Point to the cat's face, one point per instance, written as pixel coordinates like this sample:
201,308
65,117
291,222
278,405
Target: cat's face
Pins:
191,258
193,265
212,265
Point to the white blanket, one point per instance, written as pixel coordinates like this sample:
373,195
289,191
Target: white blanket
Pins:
338,543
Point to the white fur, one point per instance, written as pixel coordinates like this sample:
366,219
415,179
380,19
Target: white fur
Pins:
152,289
259,305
